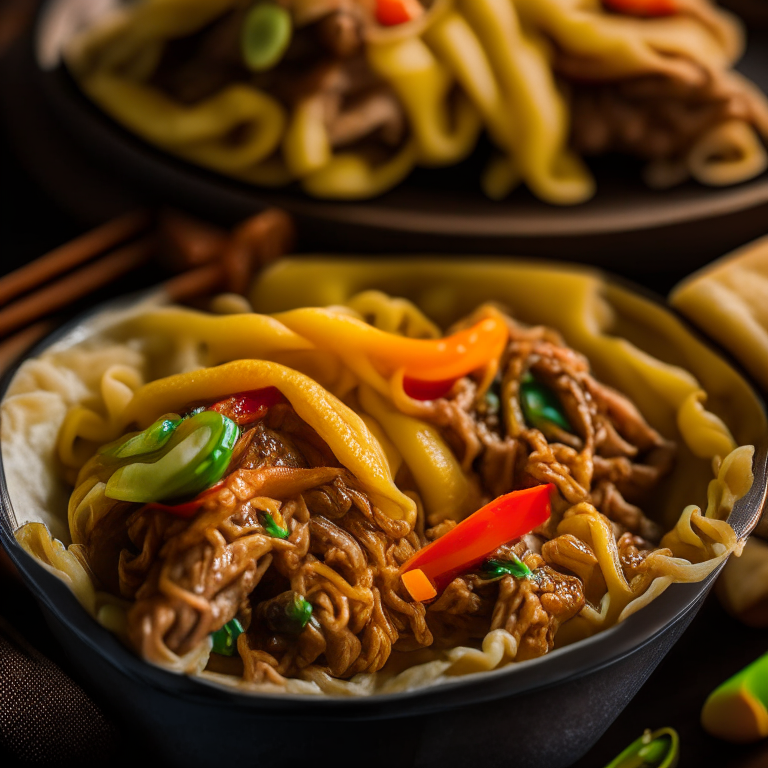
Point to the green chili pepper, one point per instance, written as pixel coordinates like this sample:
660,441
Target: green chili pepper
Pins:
737,710
266,36
659,749
196,457
150,440
541,406
272,528
288,613
225,639
497,569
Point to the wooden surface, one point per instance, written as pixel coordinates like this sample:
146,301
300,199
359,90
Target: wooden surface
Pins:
714,647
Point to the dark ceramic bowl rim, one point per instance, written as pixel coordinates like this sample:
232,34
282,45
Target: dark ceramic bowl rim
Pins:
141,160
569,663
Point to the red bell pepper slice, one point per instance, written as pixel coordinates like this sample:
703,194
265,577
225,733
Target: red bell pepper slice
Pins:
427,390
188,508
506,518
392,12
247,407
649,8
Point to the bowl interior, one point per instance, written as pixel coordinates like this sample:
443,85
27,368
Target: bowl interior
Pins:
562,664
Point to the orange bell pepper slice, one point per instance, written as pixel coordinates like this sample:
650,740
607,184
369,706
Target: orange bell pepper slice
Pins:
419,586
505,519
441,360
643,7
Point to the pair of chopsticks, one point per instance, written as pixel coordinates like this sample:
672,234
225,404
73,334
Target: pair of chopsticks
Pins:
206,259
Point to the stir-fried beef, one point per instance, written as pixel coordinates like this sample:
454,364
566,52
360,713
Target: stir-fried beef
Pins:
610,456
532,609
654,116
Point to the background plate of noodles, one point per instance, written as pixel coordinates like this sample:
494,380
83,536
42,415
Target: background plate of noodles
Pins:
103,374
668,108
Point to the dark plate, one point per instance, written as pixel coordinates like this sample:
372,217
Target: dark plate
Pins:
444,210
546,712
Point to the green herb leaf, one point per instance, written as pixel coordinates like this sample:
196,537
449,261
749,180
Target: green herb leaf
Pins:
288,613
299,611
272,528
497,569
225,639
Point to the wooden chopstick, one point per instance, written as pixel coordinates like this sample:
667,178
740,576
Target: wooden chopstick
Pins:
76,285
210,259
73,254
193,283
11,348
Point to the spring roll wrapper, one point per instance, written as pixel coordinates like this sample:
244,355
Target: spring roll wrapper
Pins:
89,387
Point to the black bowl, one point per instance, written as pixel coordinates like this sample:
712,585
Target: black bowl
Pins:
543,713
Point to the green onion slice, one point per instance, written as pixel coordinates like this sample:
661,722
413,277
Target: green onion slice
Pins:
225,639
265,36
195,458
272,528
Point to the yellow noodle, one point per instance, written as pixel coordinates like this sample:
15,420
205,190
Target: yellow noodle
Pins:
423,84
447,493
306,145
727,154
455,43
350,176
35,540
200,132
521,62
361,594
393,315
